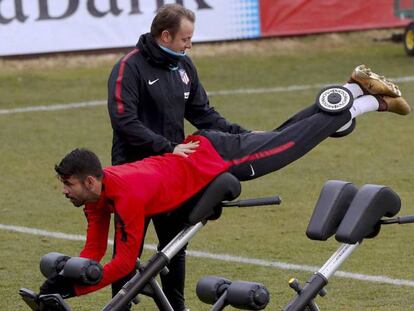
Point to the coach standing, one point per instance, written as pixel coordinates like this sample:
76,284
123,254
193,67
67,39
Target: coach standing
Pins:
151,91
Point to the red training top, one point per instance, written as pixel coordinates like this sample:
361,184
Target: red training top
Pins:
138,190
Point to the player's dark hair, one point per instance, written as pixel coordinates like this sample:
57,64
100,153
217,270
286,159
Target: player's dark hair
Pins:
169,18
79,163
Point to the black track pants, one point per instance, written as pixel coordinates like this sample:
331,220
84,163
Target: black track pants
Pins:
255,154
167,226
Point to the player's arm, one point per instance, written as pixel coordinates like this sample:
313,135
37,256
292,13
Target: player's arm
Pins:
128,238
97,232
98,219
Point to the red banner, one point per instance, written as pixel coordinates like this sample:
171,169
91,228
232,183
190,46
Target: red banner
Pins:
293,17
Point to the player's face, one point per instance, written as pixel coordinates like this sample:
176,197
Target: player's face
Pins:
75,190
182,40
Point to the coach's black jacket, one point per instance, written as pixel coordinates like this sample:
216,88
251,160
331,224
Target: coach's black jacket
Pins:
150,92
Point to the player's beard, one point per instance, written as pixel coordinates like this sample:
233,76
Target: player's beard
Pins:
76,202
80,199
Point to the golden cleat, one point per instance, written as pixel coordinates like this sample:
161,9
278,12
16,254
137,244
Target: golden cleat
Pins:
372,83
397,105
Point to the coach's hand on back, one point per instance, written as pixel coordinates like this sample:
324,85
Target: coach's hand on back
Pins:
185,150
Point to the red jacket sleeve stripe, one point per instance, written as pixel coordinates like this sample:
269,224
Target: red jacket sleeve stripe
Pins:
118,89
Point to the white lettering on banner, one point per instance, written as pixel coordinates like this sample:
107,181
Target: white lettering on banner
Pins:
42,26
72,6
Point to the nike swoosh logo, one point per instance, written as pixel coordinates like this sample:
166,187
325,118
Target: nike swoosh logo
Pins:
253,172
152,82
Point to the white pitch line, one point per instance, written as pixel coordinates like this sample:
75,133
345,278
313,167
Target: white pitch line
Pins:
225,257
52,107
280,89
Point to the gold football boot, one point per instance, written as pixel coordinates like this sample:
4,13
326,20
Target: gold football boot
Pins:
397,105
372,83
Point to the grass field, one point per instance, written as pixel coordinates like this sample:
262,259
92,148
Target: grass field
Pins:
379,151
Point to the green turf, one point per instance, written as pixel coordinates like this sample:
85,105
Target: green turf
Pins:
379,151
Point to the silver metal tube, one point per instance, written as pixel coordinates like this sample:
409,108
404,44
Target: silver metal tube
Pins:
333,263
159,296
181,239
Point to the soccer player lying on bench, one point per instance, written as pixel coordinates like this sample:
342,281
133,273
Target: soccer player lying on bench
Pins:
160,184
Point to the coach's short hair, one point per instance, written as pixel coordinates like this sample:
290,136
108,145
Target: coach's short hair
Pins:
169,18
79,163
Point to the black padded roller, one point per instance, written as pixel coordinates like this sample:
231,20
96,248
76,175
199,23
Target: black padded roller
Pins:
247,295
52,263
84,270
334,99
210,288
345,132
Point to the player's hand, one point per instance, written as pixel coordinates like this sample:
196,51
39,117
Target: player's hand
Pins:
184,150
58,284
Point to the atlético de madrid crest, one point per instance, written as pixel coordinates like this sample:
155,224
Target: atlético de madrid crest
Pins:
184,76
